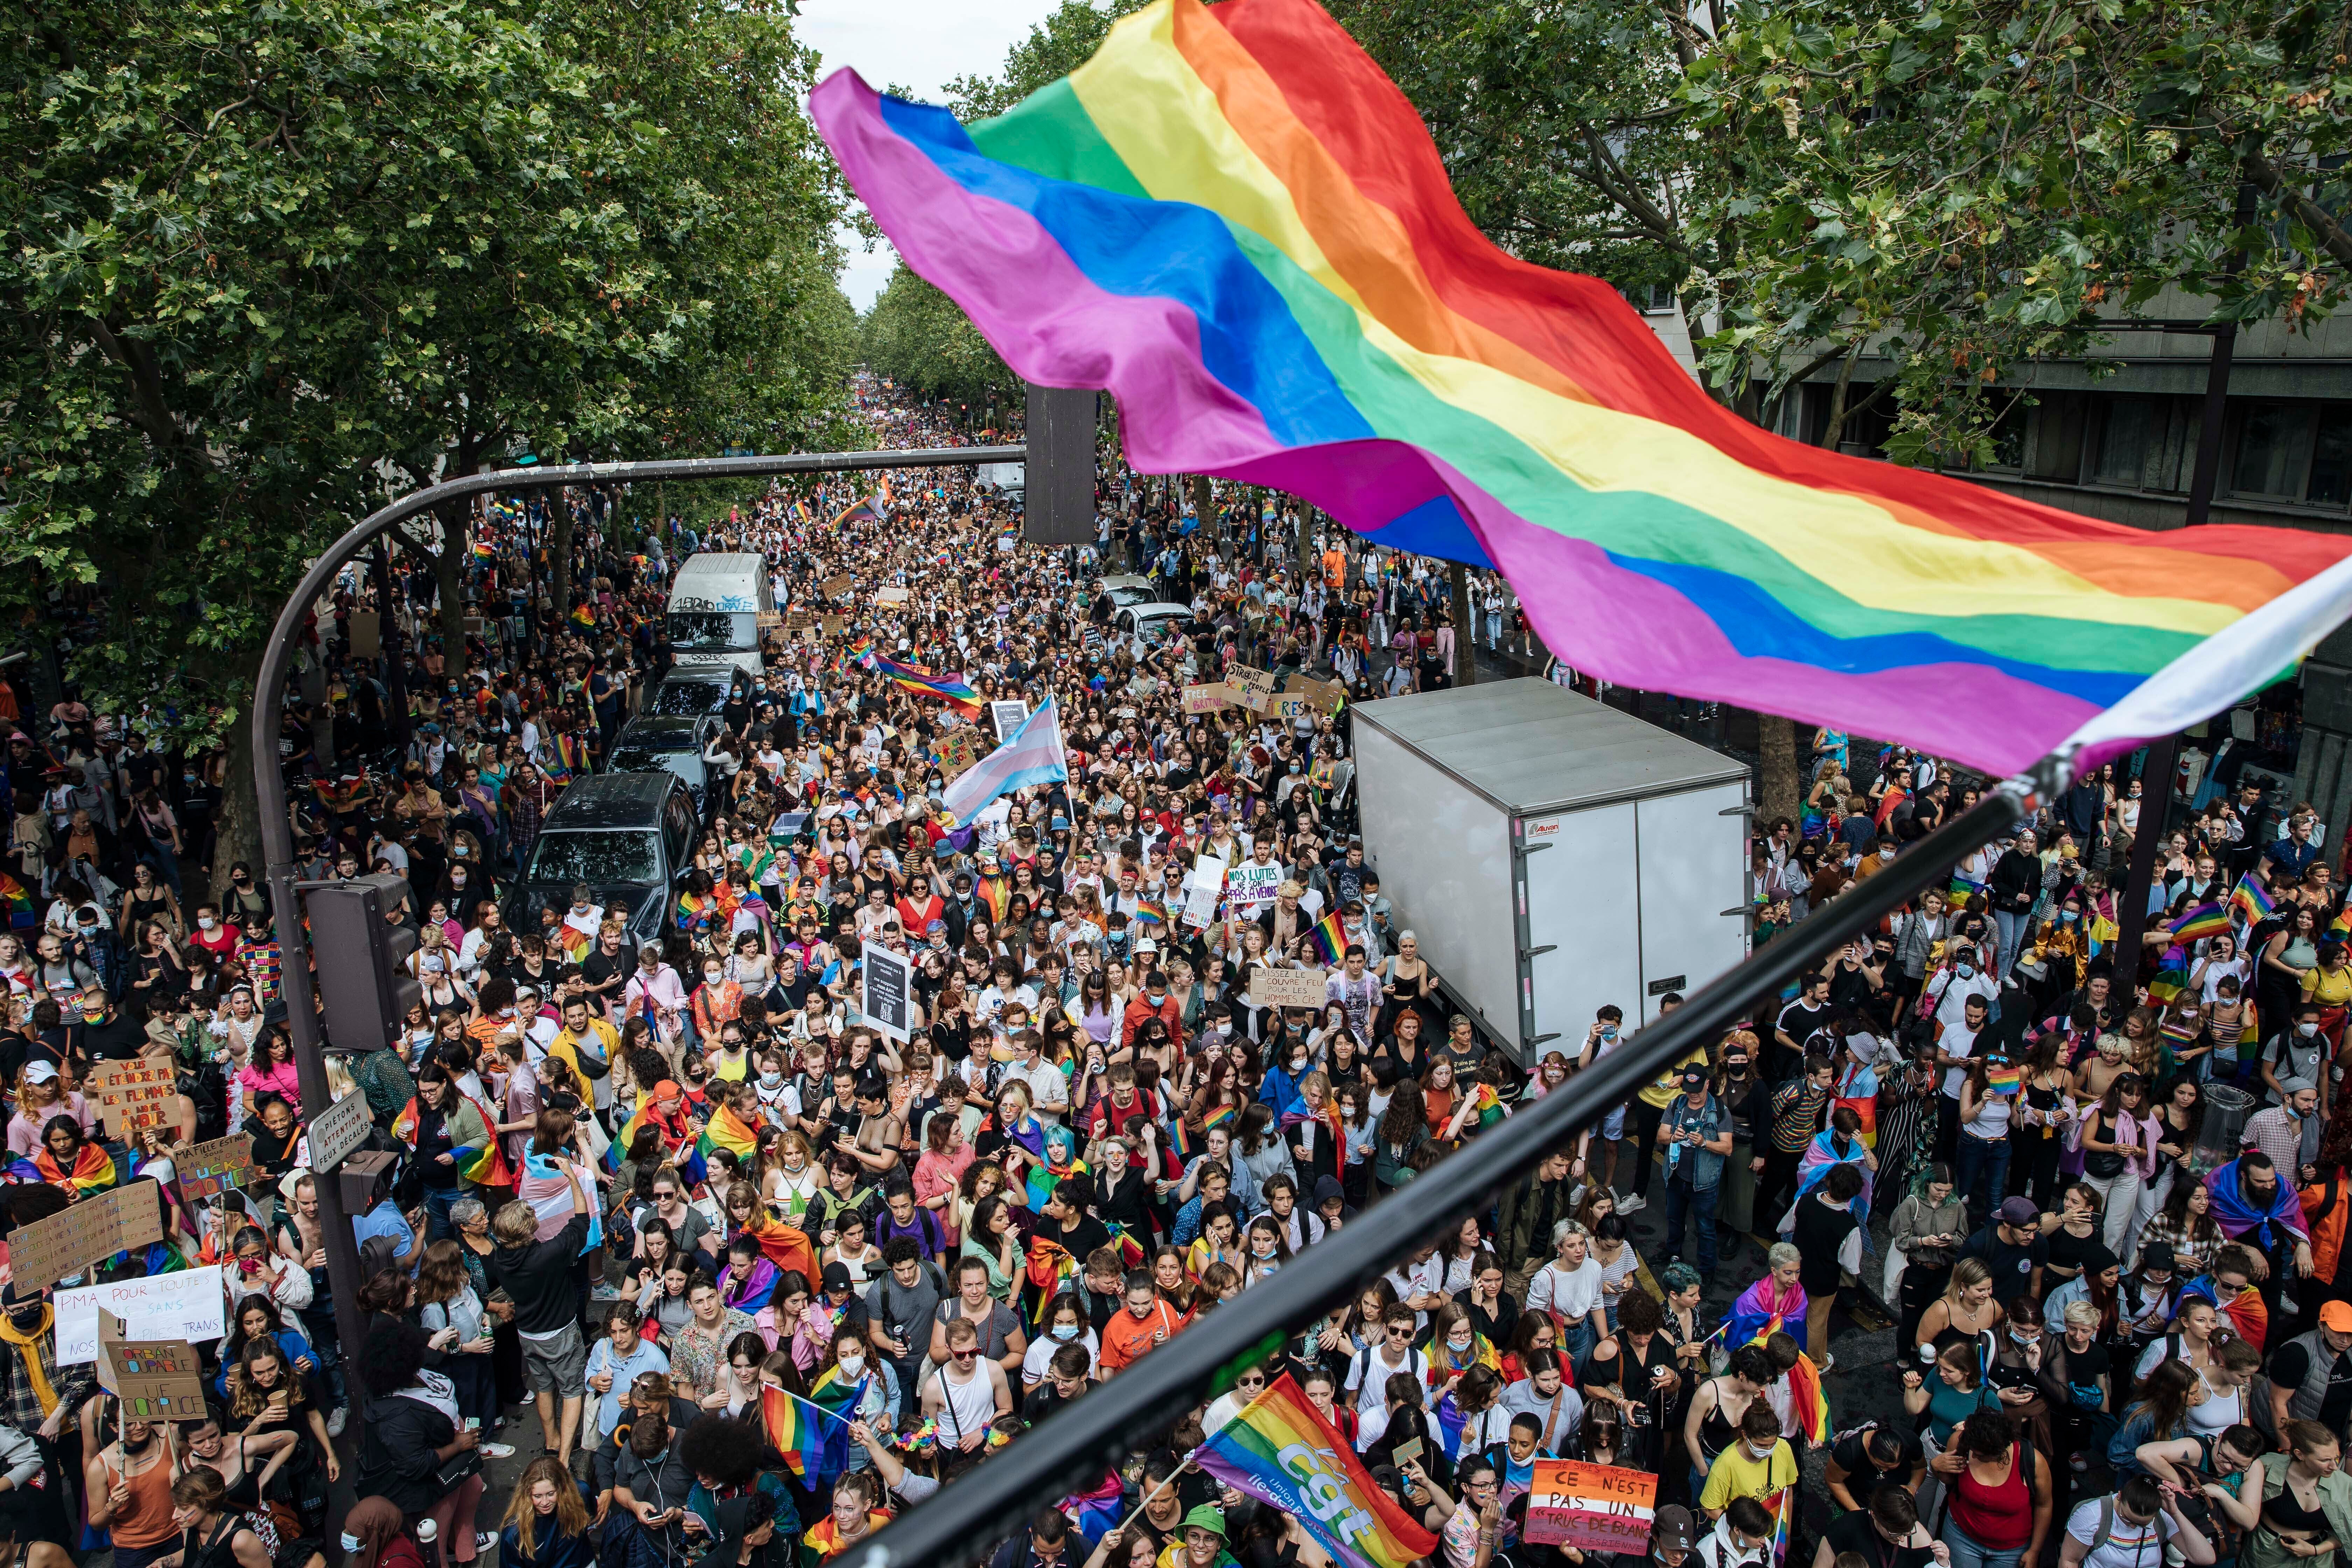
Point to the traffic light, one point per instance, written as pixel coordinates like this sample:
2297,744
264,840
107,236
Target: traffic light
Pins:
364,987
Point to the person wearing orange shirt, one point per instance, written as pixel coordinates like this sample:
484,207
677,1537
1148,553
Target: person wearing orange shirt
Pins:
1146,1322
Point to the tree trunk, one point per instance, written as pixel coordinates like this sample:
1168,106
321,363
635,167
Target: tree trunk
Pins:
1835,426
240,809
449,575
1202,502
1776,743
1466,636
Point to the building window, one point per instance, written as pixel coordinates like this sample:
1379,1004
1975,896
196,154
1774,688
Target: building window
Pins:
2331,457
2057,451
2273,451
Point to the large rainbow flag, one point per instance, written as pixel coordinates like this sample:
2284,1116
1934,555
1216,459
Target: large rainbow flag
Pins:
1234,222
1280,1450
953,690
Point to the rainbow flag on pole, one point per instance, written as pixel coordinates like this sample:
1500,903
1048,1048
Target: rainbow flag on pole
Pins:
1279,1449
1231,220
813,1441
1327,937
2250,901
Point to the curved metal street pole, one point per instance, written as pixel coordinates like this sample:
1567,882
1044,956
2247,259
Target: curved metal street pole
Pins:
270,783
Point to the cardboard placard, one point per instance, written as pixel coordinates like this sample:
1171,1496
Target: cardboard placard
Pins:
183,1306
1286,706
367,634
1207,697
1322,696
960,749
1201,893
835,587
800,618
1287,987
95,1227
890,596
1252,887
1593,1508
835,626
335,1132
134,1095
1248,685
156,1380
769,620
218,1165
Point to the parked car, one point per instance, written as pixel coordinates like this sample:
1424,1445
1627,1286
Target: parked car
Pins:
1129,590
1148,626
689,693
626,835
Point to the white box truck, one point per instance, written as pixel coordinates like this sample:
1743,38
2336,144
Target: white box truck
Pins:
1553,854
715,604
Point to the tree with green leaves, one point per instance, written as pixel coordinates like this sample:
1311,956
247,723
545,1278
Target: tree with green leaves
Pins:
269,266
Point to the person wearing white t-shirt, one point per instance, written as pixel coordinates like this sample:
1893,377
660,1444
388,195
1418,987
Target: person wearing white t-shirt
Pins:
1568,1288
1955,1044
1369,1371
2133,1528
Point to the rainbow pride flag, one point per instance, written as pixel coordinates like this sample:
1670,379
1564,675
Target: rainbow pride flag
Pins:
813,1441
2249,900
857,511
1234,222
1280,1450
953,690
1220,1116
2171,973
1150,914
859,652
727,1130
2340,928
482,551
16,904
2204,920
1327,937
583,616
2004,1080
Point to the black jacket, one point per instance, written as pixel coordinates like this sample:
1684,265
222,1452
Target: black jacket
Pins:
2016,881
538,1279
398,1461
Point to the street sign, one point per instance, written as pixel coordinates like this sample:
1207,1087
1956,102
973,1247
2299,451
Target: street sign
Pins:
335,1132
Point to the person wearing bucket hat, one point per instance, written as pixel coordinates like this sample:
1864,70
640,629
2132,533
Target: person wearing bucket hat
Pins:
1204,1534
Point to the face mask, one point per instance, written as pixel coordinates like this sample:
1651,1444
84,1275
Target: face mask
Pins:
851,1365
1456,1346
2306,1030
771,1079
1964,971
351,1542
208,924
1066,1330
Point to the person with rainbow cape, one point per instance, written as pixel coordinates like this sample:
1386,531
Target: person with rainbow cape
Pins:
1839,1143
67,1161
2257,1209
451,1133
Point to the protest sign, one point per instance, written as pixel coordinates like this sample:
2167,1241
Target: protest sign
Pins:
1201,893
1250,887
886,994
335,1132
156,1380
1322,696
1252,689
1592,1507
183,1306
891,595
218,1165
1207,697
1287,988
1008,716
769,620
134,1095
94,1227
960,749
835,626
838,584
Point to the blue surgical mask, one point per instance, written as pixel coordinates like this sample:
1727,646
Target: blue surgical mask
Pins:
1066,1330
351,1542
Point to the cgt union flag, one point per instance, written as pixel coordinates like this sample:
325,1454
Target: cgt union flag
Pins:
1279,1449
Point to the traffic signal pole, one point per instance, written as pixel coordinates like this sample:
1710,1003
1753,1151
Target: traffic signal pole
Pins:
277,827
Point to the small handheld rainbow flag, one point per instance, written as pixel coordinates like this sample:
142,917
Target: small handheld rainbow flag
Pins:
482,551
1220,1116
2204,920
2249,900
1152,912
2004,1080
1329,937
952,689
813,1441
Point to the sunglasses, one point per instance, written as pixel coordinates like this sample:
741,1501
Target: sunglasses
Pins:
962,1355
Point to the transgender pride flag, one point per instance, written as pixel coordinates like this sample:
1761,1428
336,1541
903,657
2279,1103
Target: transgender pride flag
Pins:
1031,755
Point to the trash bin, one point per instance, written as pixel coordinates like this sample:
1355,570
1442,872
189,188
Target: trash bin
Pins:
2226,1110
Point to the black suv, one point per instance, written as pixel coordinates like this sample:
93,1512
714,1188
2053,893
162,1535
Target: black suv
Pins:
655,743
628,836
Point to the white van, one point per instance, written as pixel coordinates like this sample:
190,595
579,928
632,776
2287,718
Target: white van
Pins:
715,604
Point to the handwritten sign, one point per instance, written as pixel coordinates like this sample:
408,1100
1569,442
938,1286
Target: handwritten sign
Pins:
960,749
891,595
96,1227
1252,887
134,1095
156,1380
1593,1508
183,1306
1207,697
769,620
835,587
1008,715
1250,687
218,1165
800,618
1287,987
1201,893
836,625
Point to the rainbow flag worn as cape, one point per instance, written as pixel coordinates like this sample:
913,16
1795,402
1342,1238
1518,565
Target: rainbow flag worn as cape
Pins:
2340,928
813,1441
2249,900
1280,1450
583,616
1327,936
93,1169
546,1186
726,1130
2171,973
2204,920
1231,220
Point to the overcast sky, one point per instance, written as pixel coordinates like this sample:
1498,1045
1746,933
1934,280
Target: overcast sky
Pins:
917,44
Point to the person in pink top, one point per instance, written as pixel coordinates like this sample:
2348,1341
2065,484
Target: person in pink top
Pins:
271,1070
